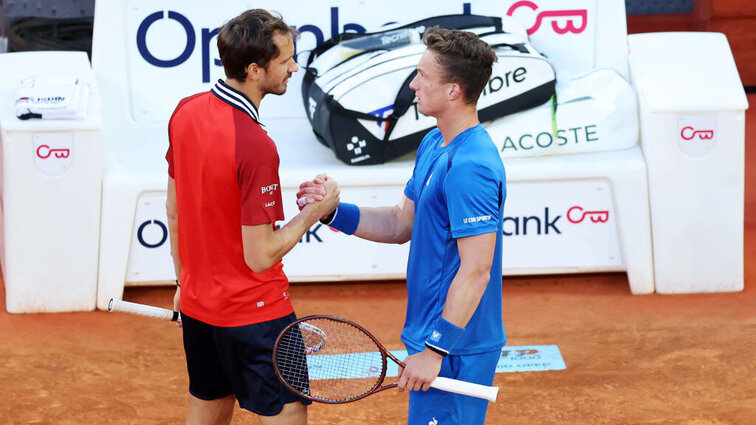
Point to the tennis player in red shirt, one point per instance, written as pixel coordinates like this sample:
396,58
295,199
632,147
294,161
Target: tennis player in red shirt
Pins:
224,197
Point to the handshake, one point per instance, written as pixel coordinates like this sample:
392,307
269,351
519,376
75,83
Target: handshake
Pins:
320,194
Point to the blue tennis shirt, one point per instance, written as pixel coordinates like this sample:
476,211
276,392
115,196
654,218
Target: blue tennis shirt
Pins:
459,191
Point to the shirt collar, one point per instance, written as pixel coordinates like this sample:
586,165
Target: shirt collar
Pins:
236,99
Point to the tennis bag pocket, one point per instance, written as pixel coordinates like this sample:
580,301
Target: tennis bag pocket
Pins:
356,86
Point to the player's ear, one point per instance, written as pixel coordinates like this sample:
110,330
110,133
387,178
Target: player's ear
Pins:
254,72
455,91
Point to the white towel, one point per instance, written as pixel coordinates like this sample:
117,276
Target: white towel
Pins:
52,97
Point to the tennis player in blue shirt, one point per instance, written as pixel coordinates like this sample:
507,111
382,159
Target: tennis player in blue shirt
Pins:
452,210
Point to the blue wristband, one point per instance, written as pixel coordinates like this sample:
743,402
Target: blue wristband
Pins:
346,218
444,336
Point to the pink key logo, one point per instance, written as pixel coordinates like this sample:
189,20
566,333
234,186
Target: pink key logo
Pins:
44,152
690,133
577,215
53,153
579,15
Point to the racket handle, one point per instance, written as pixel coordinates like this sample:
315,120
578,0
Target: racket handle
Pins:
465,388
142,310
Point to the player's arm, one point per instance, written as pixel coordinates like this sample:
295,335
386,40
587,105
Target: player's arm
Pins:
264,247
171,210
387,224
465,292
476,255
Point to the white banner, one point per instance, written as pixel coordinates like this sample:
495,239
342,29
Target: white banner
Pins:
548,226
171,44
560,225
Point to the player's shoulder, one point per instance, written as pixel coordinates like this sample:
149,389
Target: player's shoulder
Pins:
479,151
249,130
181,106
431,138
189,99
251,137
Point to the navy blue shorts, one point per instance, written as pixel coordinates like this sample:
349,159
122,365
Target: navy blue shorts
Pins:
236,360
441,407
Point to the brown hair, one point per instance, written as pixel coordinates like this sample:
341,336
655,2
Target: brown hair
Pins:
463,58
248,38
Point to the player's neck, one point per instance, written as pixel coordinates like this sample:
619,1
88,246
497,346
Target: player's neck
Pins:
454,121
254,93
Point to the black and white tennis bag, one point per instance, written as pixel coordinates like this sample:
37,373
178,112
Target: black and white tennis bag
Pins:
356,86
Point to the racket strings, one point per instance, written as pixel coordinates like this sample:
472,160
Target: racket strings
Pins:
346,365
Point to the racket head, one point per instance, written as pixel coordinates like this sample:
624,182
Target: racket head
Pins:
348,366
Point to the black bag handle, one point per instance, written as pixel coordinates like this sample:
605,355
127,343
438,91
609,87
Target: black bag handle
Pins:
458,21
520,47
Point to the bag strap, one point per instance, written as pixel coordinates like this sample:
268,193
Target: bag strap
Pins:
401,104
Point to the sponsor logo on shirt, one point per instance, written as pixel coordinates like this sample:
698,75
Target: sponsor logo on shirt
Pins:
260,304
435,336
433,421
476,219
269,189
270,204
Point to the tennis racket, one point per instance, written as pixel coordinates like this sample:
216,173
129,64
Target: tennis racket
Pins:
350,367
312,338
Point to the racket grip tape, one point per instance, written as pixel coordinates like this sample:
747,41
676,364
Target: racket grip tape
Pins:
465,388
142,310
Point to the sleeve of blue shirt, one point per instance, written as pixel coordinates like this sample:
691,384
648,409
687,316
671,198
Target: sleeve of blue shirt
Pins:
472,195
409,188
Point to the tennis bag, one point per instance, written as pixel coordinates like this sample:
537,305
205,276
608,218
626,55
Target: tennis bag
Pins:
356,86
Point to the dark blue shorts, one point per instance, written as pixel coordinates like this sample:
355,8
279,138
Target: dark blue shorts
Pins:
236,360
441,407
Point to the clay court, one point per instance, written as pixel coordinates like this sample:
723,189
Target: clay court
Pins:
652,359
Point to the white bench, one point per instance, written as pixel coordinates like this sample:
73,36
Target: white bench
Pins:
612,182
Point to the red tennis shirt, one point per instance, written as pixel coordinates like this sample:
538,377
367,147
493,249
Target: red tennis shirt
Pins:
226,172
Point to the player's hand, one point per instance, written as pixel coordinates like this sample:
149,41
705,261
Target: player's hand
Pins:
330,199
177,304
419,371
311,191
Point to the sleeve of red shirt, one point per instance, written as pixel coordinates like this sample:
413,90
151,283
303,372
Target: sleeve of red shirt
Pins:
169,158
169,153
257,172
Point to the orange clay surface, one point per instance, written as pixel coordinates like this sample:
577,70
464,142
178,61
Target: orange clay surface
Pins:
652,359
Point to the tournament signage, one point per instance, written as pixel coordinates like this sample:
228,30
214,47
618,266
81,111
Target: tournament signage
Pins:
174,41
548,226
554,25
560,224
